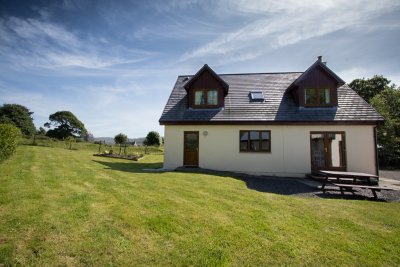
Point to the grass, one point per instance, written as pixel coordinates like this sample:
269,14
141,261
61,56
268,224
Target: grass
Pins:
66,207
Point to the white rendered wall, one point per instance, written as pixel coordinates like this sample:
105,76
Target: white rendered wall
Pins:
290,148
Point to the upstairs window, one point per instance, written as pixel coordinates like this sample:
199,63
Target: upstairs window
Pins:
255,141
317,97
206,97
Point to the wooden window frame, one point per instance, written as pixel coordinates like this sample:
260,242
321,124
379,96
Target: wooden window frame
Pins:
319,90
205,92
259,140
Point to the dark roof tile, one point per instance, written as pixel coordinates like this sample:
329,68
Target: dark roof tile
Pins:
277,107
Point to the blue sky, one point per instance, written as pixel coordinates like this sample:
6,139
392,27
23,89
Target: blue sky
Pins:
114,63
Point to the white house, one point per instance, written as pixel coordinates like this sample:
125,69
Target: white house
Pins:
283,124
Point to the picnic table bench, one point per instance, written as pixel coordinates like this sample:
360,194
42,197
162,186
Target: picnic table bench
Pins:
351,186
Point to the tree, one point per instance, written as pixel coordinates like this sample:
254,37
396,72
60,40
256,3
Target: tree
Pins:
152,139
120,139
387,103
19,116
66,124
368,88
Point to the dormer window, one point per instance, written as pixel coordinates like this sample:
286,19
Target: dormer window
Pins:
206,97
206,89
317,97
316,87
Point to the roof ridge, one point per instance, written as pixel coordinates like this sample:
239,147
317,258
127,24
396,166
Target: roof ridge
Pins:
251,73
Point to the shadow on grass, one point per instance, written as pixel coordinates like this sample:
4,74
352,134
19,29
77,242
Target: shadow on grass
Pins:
290,186
134,167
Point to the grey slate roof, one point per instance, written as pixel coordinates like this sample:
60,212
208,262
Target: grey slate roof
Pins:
277,107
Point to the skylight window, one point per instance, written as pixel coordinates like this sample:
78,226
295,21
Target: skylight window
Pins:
256,96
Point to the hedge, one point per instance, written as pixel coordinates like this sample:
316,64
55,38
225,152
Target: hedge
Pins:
9,139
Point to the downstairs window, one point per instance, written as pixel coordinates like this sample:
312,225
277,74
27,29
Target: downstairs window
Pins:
255,141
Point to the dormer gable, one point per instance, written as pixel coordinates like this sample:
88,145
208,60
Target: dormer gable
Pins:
316,87
206,89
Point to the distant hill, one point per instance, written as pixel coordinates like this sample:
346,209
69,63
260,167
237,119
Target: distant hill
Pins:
110,140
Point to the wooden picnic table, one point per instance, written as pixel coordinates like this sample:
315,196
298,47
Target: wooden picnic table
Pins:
354,176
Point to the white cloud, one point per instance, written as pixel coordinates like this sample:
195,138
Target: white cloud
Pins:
32,43
287,22
35,29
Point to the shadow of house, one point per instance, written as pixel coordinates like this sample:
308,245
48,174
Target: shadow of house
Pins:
180,111
265,184
289,186
132,167
288,111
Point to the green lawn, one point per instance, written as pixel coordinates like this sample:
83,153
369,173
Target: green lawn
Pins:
63,207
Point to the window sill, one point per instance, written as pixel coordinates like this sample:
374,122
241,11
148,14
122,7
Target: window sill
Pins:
259,151
318,108
204,108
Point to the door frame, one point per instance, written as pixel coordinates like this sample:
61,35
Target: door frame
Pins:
328,150
184,147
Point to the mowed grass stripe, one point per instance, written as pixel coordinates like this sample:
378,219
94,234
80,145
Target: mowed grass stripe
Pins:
61,207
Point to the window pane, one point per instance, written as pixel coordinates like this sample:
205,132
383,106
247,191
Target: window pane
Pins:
311,96
199,98
254,140
336,147
318,151
324,96
265,141
212,97
265,145
191,141
244,137
257,95
265,135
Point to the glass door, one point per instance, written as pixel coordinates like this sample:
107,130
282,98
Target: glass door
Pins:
328,151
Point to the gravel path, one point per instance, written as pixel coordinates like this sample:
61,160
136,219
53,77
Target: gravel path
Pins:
391,174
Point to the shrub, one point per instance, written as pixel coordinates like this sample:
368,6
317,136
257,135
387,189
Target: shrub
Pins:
9,139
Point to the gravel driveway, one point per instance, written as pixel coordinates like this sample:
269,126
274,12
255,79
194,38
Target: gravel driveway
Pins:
391,174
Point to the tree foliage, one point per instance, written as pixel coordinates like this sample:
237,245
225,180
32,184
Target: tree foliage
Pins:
9,138
19,116
65,124
152,139
387,103
385,98
368,88
121,138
